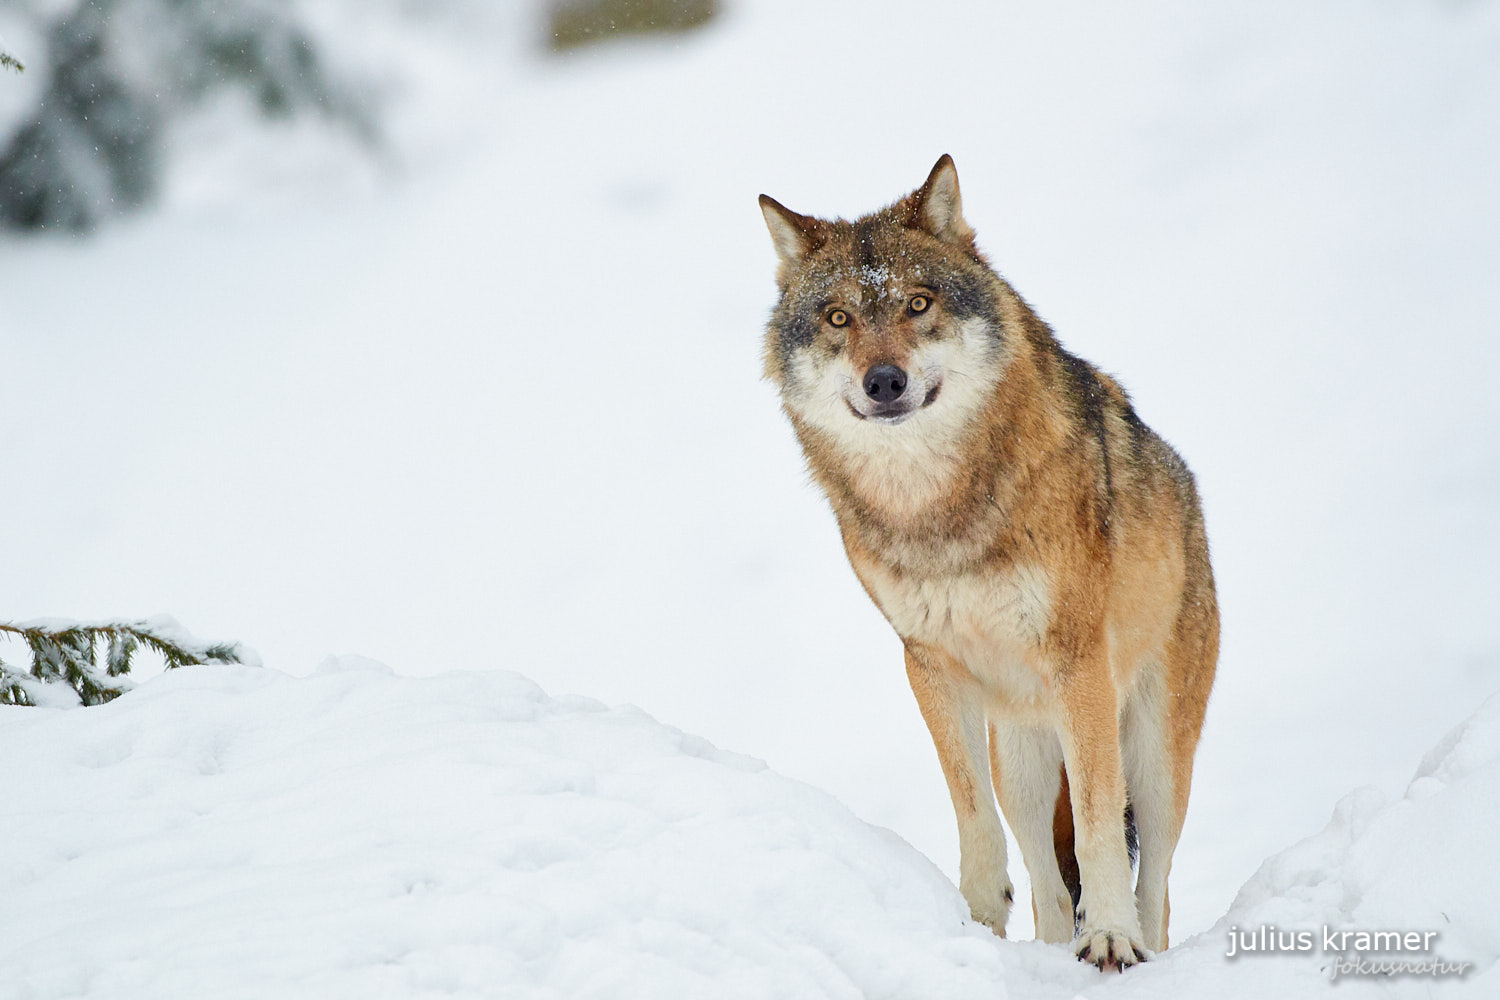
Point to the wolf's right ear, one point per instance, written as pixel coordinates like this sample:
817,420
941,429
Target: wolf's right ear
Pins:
795,236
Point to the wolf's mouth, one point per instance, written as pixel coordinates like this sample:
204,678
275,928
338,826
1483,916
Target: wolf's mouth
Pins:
895,413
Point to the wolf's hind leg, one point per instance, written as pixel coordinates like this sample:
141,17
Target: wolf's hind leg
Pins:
1026,766
1145,742
954,712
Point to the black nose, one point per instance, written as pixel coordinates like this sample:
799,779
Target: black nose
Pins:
884,383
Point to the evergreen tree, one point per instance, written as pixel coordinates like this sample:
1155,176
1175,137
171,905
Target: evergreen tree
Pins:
86,662
118,72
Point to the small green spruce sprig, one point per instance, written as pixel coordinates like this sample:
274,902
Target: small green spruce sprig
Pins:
92,658
8,61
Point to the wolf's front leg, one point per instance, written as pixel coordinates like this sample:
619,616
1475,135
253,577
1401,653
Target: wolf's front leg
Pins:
954,711
1109,933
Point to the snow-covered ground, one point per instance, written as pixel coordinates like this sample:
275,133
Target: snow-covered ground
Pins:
492,401
234,832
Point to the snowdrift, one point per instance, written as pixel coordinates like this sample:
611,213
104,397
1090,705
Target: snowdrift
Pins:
236,832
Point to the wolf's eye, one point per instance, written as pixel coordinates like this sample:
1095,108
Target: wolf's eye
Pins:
838,318
919,303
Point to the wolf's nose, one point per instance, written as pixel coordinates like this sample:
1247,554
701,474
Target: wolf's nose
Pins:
884,383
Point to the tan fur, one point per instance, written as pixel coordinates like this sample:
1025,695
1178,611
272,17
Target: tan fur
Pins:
1039,551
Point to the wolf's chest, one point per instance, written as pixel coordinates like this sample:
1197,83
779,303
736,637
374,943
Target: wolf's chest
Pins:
984,620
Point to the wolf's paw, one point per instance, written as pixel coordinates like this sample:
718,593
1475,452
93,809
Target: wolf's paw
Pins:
991,905
1108,949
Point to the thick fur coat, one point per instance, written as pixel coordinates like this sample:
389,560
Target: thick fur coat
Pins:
1038,549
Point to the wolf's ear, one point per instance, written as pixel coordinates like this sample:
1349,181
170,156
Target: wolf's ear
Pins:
936,206
795,235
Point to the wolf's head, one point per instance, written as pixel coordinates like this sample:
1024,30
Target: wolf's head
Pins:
889,326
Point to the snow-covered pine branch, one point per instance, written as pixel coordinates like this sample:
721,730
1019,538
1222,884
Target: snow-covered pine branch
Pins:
86,662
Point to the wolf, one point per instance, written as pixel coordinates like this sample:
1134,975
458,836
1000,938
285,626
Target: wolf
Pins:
1039,551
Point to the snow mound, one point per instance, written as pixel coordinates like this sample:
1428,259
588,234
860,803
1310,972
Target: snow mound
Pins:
236,832
1424,862
226,832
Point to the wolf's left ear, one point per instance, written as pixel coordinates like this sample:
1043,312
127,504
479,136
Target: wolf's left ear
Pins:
936,206
795,235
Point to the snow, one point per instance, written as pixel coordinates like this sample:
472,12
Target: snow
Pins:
492,399
227,831
236,832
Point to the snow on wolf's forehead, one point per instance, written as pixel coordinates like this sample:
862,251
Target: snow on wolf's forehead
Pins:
880,279
876,277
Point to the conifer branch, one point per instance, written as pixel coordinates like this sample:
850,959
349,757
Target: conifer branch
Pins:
66,654
8,61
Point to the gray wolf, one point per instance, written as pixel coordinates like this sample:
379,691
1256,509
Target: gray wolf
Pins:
1037,548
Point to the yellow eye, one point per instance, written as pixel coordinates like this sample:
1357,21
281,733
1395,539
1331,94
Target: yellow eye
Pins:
838,318
919,303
